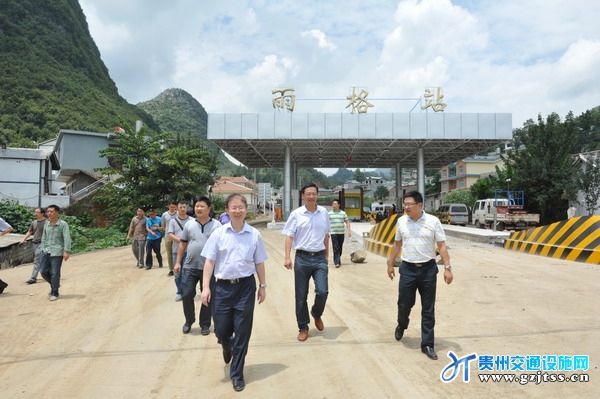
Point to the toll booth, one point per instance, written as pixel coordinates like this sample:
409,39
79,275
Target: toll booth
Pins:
351,201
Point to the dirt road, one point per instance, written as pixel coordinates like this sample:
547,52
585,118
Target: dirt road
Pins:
115,332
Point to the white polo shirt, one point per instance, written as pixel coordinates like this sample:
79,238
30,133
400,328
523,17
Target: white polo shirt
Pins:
419,238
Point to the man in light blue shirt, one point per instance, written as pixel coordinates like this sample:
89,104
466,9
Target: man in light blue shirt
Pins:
234,253
307,231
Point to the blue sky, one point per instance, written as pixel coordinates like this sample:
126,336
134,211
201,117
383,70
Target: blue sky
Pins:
515,56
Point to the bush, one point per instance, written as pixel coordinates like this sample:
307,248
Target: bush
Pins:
87,239
18,216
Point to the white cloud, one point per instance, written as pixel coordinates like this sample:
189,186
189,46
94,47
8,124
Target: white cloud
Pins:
321,39
538,56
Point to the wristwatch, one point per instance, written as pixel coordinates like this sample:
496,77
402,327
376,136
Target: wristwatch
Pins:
448,267
262,285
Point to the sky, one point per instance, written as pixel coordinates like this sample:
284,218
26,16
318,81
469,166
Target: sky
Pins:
511,56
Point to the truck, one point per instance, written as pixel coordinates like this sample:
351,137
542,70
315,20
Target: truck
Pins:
506,211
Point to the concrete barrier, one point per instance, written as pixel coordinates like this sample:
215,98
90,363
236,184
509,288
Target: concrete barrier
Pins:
576,239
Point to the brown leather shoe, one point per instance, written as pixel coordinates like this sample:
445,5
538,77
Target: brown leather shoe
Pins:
303,335
319,324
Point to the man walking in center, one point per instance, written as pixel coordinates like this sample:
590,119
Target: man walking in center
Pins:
56,245
36,228
307,231
137,230
338,218
235,252
417,234
166,218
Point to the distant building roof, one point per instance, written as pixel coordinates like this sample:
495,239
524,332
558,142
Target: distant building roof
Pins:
230,187
31,153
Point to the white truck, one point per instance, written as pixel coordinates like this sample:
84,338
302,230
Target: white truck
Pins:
506,213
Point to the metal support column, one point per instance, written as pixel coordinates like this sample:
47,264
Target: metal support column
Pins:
399,190
421,171
287,182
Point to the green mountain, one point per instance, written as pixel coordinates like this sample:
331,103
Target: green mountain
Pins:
52,75
177,112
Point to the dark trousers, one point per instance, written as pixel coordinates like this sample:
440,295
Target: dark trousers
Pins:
50,271
305,267
424,280
233,312
153,245
189,280
337,242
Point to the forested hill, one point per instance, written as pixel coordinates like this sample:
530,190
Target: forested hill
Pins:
177,112
52,75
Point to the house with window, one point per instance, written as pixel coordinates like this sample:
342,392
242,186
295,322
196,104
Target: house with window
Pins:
464,173
238,185
26,176
60,171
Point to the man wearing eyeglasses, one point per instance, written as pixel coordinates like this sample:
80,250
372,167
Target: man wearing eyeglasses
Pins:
417,234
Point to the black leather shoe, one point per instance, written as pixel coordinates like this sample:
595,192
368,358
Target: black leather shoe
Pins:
398,333
428,350
239,385
227,356
186,328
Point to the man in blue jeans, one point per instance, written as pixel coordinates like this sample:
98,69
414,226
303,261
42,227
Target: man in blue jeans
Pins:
56,245
154,238
174,231
307,231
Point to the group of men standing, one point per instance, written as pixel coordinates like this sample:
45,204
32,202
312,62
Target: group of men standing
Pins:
51,246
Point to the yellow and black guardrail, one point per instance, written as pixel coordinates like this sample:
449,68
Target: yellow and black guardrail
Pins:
576,239
381,237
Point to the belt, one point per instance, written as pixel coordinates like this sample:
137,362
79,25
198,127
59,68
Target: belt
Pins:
300,251
418,264
37,242
233,280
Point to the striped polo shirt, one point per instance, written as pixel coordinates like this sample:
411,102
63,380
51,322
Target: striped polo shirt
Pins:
419,238
337,221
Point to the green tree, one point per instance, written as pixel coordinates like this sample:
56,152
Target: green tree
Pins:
460,197
543,166
358,175
590,184
145,173
435,186
381,193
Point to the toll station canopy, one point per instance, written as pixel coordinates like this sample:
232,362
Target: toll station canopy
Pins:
368,140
